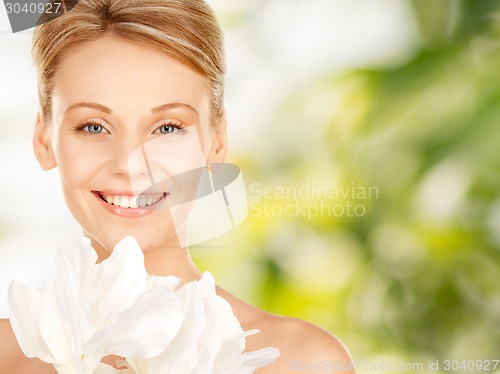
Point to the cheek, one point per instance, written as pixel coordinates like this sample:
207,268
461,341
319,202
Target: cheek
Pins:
76,161
166,157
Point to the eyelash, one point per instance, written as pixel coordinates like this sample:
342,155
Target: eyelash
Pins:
85,124
178,126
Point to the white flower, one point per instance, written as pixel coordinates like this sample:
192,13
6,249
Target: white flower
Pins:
89,311
210,340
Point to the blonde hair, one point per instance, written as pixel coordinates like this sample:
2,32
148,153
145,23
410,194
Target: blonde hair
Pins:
185,29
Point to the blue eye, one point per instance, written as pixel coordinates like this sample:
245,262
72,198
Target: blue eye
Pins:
170,128
91,128
167,129
94,128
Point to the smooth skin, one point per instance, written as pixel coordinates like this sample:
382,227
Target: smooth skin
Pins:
133,94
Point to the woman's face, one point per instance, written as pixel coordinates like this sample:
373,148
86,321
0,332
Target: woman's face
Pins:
127,117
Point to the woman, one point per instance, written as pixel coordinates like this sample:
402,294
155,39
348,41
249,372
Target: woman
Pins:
115,77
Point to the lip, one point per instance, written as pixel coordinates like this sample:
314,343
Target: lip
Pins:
127,212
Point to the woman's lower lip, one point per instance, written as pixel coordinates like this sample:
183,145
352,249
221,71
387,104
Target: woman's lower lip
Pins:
127,212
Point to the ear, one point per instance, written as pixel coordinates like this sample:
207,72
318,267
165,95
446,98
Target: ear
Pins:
42,146
218,153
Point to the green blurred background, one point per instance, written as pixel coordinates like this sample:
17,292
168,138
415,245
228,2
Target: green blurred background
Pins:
417,276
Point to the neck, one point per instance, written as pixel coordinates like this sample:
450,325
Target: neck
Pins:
163,261
171,261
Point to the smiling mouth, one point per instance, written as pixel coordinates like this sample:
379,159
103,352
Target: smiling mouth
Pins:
131,202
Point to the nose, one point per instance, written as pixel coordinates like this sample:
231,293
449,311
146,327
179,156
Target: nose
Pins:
128,160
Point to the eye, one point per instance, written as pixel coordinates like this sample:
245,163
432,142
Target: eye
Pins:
94,128
171,127
90,128
167,129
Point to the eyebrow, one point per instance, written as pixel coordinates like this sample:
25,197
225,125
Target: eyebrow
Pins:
164,107
105,109
100,107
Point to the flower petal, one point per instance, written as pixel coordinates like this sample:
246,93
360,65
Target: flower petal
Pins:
56,332
120,280
210,340
251,361
88,311
144,330
86,271
181,356
24,309
71,303
224,328
155,281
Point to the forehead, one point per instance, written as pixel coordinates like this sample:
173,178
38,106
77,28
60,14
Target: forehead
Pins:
125,75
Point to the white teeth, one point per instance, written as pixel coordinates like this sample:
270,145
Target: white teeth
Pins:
132,201
124,202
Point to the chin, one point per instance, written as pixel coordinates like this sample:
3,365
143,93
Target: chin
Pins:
147,239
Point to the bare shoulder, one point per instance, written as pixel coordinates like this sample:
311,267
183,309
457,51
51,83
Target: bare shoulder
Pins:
12,359
8,344
303,346
311,341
